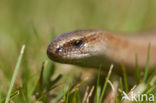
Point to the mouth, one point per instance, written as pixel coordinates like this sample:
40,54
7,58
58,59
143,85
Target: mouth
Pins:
75,55
67,56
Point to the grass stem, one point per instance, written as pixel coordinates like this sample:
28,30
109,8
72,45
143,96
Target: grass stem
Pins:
15,74
147,64
105,84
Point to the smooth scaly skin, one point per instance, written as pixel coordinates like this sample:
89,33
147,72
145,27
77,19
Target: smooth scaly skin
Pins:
94,48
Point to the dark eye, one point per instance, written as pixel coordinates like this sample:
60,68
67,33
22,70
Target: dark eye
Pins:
58,50
78,43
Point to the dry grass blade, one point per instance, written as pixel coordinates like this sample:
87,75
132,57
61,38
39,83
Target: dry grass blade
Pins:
90,94
86,95
111,97
76,86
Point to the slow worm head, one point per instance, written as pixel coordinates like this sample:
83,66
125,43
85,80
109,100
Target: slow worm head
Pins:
94,48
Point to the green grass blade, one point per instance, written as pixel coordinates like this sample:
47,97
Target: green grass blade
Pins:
147,64
125,78
105,84
15,74
97,86
67,97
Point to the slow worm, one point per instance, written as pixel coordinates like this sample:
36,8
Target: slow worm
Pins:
94,48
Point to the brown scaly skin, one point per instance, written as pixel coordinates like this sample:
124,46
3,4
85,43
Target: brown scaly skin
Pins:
94,48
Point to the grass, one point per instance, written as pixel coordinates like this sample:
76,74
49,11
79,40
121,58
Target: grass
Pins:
105,84
125,78
147,64
72,95
15,74
35,23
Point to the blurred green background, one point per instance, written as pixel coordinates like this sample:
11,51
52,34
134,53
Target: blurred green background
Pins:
35,22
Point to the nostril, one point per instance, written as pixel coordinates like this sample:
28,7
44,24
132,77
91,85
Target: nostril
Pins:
59,49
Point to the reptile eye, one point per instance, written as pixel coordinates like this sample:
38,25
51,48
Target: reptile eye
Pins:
59,49
78,43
